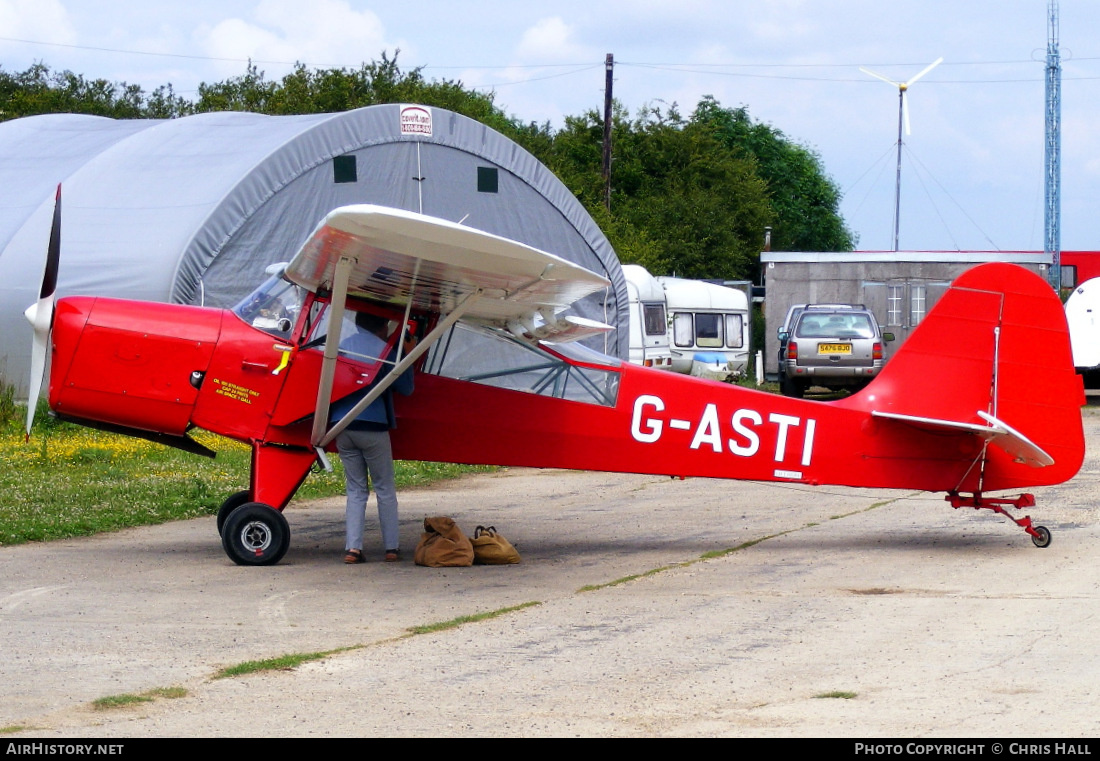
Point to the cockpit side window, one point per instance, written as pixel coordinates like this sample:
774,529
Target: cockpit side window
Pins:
494,359
273,307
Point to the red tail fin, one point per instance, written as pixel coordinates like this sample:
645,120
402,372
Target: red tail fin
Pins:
995,346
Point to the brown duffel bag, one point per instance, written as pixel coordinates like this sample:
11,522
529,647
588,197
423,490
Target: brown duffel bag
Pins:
490,548
443,545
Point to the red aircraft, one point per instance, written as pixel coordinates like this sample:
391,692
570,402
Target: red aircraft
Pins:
982,398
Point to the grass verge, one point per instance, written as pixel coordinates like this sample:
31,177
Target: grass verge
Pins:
73,481
125,700
278,663
293,660
473,618
728,551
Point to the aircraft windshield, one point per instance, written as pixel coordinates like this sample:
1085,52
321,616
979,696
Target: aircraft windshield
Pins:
491,358
273,307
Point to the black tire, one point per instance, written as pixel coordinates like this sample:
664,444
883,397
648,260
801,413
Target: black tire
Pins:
790,387
1043,538
232,503
255,534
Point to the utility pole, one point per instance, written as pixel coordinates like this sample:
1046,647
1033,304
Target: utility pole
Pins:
609,65
1052,246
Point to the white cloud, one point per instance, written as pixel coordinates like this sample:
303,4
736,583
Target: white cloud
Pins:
324,33
550,39
38,20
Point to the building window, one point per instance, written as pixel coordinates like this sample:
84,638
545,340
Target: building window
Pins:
486,179
918,298
343,169
1069,275
895,295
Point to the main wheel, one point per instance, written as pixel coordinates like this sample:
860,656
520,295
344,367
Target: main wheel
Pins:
255,534
232,503
1043,538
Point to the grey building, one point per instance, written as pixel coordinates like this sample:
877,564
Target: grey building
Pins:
899,286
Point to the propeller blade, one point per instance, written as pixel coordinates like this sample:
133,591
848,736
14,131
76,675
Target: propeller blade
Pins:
905,112
40,314
927,69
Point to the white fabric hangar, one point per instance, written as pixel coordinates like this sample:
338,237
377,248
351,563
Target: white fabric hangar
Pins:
192,210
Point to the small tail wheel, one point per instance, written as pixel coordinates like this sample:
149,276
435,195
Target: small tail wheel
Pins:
1041,538
255,534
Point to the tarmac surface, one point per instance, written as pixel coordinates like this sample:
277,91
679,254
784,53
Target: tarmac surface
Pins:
841,612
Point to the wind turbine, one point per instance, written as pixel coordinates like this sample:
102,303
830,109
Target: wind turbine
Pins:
903,118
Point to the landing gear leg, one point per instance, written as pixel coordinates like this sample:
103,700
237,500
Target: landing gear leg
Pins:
1040,535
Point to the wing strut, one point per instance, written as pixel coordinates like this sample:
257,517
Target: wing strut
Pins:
340,278
380,388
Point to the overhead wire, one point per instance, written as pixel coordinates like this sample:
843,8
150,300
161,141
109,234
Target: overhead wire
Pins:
736,69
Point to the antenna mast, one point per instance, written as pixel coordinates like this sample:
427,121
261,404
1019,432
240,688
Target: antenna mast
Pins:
1052,246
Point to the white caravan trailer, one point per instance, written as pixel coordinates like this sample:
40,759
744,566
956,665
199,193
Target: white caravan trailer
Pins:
1083,317
648,319
708,328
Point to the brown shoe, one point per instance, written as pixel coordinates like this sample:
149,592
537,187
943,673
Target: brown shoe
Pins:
392,556
354,556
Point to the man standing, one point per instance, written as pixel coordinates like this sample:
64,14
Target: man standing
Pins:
364,446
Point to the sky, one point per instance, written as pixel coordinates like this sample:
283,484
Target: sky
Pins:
972,170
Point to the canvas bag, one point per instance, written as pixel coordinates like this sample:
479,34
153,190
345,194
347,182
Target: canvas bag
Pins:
490,548
443,545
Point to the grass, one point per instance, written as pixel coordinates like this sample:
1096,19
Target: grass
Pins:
129,699
73,481
279,663
728,551
292,661
119,701
839,694
473,618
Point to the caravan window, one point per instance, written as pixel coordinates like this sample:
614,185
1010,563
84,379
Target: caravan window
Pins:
708,330
654,317
734,331
683,329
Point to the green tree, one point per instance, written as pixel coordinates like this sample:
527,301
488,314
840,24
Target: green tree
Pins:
38,90
310,91
805,199
682,202
690,197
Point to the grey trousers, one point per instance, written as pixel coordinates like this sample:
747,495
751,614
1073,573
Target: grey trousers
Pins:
368,453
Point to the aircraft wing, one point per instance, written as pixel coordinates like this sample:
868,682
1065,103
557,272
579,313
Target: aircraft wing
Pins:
415,261
400,257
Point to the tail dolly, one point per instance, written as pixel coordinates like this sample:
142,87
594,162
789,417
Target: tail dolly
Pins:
1040,535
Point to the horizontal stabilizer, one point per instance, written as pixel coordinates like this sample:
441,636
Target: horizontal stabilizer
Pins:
997,432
